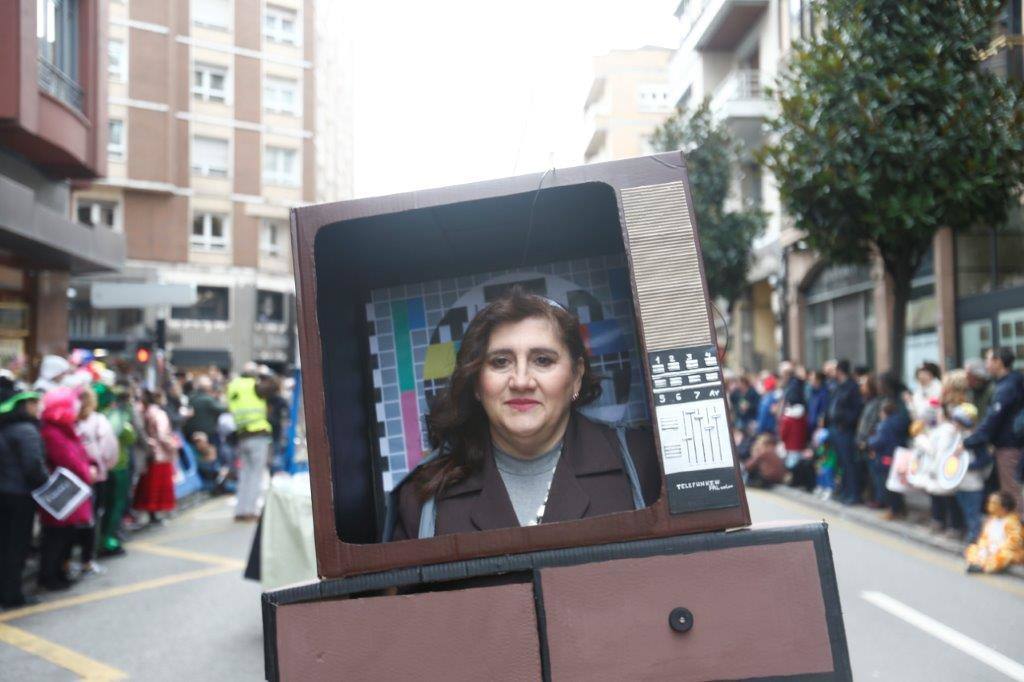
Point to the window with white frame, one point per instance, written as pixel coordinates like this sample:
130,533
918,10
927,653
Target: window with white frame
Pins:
210,156
653,98
281,95
212,13
117,60
281,166
272,236
210,83
281,25
209,232
96,212
115,139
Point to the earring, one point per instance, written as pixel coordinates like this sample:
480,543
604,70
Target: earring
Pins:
575,396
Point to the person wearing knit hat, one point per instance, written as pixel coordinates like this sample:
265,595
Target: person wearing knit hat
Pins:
22,469
51,370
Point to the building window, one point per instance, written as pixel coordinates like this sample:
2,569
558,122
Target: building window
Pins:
211,304
94,213
272,236
1011,330
212,13
280,25
270,306
117,61
210,156
210,83
209,232
57,43
281,96
988,260
653,98
281,166
115,139
819,333
975,339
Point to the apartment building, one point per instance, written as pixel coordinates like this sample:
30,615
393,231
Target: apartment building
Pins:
629,97
966,297
53,118
212,107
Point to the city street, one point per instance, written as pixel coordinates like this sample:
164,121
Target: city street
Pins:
177,608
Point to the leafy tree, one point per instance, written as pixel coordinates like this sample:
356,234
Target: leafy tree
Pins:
726,236
890,129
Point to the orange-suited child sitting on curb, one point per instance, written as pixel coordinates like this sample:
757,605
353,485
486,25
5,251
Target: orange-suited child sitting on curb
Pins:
1000,543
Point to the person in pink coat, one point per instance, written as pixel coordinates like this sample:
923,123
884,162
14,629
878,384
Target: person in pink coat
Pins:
155,490
63,449
96,434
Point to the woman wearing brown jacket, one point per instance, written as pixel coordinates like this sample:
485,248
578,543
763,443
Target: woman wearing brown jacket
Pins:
511,447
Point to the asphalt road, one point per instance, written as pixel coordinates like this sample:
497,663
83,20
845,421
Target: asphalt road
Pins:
177,608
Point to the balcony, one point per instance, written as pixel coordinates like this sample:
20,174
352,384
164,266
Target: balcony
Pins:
740,100
57,83
718,25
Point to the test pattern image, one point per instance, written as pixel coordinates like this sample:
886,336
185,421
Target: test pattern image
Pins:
415,330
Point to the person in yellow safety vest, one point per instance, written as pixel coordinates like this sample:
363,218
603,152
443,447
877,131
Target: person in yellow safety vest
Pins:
253,433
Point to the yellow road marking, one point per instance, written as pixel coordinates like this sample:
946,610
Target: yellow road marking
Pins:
188,535
151,548
899,545
83,666
100,595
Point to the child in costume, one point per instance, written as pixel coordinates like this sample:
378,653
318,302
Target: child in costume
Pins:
119,482
1000,543
970,494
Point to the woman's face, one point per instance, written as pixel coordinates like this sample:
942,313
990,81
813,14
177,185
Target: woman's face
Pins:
924,377
527,383
994,506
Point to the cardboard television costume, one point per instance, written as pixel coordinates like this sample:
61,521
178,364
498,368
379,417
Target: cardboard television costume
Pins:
683,588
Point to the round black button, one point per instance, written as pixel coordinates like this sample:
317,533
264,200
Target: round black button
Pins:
680,620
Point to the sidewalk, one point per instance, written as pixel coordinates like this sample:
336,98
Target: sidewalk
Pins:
914,527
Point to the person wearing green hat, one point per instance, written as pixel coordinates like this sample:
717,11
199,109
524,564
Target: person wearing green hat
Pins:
22,469
114,501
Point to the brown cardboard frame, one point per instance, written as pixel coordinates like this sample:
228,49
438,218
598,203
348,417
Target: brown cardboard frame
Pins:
336,558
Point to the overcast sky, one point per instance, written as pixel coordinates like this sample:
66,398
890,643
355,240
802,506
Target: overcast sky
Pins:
454,91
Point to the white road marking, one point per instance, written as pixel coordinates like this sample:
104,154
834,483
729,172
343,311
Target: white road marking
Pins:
971,647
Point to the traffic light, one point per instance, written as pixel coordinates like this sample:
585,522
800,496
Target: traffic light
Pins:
143,353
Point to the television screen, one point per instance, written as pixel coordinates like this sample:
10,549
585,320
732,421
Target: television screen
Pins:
387,288
415,332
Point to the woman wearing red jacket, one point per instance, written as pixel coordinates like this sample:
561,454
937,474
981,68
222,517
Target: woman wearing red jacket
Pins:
63,449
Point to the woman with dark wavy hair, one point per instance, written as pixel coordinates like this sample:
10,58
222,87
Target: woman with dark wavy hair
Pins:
510,447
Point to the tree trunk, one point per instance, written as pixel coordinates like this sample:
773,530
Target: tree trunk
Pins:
901,288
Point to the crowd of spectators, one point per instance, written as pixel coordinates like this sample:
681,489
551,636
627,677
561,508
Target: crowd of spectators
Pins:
124,441
861,438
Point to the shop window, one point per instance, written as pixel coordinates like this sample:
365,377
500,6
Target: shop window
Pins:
975,339
211,304
1011,330
819,333
269,306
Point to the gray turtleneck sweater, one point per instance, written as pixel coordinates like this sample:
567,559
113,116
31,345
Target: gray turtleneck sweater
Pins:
527,480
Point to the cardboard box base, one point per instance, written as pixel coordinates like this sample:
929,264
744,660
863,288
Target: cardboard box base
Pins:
763,602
